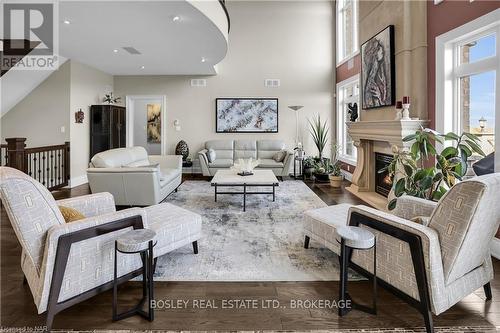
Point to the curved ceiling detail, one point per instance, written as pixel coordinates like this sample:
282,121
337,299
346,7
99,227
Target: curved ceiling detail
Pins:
171,37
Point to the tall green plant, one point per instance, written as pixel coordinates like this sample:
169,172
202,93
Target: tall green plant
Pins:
423,172
319,132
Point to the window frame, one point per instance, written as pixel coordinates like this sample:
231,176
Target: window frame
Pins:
449,71
340,32
341,132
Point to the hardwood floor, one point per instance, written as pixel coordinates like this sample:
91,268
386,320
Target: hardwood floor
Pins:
18,309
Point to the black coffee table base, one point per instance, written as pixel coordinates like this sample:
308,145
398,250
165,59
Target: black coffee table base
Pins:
245,192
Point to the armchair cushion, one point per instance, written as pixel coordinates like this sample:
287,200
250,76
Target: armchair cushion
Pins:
408,207
466,220
71,214
92,204
90,262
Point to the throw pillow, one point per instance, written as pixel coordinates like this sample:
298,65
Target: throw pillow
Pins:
70,214
279,156
211,155
423,220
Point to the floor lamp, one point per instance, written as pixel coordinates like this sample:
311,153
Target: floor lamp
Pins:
296,109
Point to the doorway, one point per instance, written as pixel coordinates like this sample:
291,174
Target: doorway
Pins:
146,122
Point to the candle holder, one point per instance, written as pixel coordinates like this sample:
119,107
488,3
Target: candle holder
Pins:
399,106
406,112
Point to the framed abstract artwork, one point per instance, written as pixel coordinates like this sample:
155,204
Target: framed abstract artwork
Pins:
154,123
246,115
378,70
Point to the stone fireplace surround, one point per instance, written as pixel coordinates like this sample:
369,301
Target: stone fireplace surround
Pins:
370,137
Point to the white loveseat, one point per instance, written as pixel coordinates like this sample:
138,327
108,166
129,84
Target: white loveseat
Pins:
131,176
229,151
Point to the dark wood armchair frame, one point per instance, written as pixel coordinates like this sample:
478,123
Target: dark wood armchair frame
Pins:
62,254
417,255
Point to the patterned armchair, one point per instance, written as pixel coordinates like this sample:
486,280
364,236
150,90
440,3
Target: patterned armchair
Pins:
66,263
435,264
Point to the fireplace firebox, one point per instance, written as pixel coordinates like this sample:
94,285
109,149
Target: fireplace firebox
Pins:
383,183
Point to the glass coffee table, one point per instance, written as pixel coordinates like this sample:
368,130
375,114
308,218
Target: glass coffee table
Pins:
230,178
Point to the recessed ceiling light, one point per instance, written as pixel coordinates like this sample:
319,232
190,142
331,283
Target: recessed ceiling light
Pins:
115,51
203,59
142,67
176,19
67,22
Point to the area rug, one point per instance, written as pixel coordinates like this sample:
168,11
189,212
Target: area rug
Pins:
265,243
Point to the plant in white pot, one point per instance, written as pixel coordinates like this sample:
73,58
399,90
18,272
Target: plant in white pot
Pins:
336,176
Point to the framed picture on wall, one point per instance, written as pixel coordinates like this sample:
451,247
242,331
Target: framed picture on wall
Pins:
154,123
246,115
378,70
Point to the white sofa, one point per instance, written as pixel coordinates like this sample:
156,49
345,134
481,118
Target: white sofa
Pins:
130,175
229,151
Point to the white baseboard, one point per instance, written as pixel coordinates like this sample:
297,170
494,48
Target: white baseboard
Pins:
77,181
495,248
347,175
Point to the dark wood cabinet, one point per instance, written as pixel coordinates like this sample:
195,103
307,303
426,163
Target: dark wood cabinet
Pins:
107,128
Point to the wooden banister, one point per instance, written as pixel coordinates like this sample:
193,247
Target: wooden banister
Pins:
50,165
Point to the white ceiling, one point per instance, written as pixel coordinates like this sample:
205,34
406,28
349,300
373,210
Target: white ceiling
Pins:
167,48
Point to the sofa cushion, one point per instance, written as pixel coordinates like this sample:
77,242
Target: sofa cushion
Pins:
267,148
223,148
211,155
167,175
139,163
119,157
269,163
245,149
221,163
279,156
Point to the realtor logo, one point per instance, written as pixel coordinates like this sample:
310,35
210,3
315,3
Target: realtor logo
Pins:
30,40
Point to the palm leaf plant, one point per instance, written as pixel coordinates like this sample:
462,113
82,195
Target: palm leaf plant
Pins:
319,132
422,171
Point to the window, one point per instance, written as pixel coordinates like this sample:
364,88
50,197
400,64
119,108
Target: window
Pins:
347,29
467,81
347,99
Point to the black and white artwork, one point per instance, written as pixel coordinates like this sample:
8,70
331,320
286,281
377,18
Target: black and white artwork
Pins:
246,115
377,70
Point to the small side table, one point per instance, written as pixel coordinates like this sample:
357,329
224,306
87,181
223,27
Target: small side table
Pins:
298,172
188,165
351,237
134,241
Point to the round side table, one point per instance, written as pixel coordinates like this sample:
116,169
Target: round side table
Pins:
357,238
134,241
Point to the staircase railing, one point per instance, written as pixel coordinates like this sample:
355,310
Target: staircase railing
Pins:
50,165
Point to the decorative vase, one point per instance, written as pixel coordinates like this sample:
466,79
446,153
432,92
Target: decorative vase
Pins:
182,149
336,181
322,177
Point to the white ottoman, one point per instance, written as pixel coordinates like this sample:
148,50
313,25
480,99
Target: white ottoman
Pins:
320,225
175,227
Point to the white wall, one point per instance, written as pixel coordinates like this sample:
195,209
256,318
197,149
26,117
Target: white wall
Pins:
88,86
41,114
292,41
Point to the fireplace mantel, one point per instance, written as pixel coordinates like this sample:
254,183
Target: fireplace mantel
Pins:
391,131
364,134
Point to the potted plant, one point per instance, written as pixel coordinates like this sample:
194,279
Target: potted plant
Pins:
415,173
336,176
322,170
309,165
319,132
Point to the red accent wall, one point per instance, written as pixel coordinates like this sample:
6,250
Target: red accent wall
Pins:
343,72
442,18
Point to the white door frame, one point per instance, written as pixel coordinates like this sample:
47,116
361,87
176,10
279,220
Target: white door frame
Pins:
129,105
